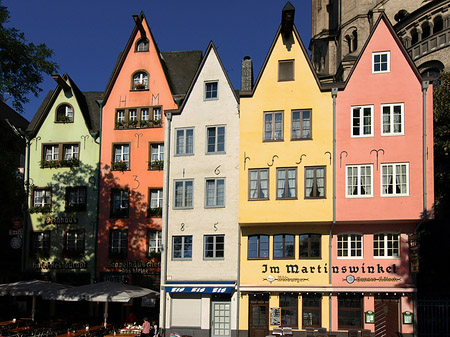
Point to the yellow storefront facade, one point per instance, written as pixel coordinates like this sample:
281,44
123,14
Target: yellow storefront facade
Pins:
285,192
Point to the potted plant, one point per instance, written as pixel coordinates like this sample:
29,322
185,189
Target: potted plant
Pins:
50,163
132,124
140,86
155,212
119,166
120,124
64,119
157,165
144,123
39,209
156,122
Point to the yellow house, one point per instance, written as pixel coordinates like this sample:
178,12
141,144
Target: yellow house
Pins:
285,191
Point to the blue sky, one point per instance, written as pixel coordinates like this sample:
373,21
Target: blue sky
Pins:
87,36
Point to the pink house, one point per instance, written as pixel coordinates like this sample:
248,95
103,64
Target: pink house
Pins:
384,185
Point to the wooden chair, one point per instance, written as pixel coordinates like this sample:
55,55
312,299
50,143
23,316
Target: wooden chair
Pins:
277,331
287,331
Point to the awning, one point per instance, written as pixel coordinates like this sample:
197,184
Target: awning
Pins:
200,287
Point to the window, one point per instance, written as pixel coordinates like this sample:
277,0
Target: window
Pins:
184,194
362,125
315,182
51,152
215,192
118,243
301,124
273,125
214,247
359,180
349,246
309,245
381,62
142,45
211,89
139,117
184,142
140,81
74,243
154,242
119,203
156,200
286,183
132,115
157,114
311,307
286,70
70,151
215,139
393,119
42,197
64,114
145,115
156,156
386,245
258,247
258,184
75,199
121,157
283,246
182,247
395,179
41,243
288,306
350,311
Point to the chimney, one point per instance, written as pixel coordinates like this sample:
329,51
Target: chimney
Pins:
247,74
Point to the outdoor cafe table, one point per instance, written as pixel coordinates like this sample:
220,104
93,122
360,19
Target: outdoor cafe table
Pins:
81,332
130,331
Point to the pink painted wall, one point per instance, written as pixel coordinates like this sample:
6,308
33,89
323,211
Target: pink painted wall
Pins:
138,179
400,85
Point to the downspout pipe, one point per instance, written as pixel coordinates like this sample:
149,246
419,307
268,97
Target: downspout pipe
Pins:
334,92
165,221
425,85
99,138
27,201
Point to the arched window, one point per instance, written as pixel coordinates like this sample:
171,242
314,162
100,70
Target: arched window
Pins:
142,45
64,113
355,40
140,81
351,39
414,36
426,30
438,24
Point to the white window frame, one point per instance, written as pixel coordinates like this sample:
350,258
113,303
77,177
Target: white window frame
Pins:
121,240
388,61
214,247
124,201
394,178
156,197
154,241
53,153
145,115
76,240
185,195
359,181
120,155
141,78
349,238
157,113
361,126
184,150
42,199
215,139
156,152
183,245
386,239
71,151
391,121
215,203
214,93
132,115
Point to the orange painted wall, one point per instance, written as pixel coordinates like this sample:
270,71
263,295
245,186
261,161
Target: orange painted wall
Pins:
139,178
400,85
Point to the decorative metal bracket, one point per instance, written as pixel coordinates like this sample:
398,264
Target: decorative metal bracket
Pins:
217,171
138,135
245,159
38,138
340,157
374,150
301,158
84,140
136,180
329,153
273,160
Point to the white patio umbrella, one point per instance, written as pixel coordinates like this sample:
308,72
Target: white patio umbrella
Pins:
30,288
101,292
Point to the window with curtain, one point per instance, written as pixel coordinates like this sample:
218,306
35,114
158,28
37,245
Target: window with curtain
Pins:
315,182
184,142
362,121
215,192
184,194
393,119
258,184
273,125
359,181
286,183
301,124
395,179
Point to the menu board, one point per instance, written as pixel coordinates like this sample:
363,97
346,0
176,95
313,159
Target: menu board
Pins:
275,314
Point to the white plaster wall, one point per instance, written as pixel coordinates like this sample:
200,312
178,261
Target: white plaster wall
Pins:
199,220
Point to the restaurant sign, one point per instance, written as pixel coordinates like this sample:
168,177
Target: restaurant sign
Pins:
136,267
61,220
60,265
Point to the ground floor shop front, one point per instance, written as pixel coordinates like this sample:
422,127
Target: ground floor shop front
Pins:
369,312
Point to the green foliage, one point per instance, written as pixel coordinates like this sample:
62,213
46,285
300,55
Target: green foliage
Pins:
441,104
21,63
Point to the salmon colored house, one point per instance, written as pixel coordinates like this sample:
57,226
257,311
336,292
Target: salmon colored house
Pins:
143,84
384,186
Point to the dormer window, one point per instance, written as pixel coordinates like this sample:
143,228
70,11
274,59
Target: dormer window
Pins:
64,114
140,81
142,45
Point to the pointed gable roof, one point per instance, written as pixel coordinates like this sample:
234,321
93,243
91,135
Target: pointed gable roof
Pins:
210,47
179,67
384,19
87,102
288,7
